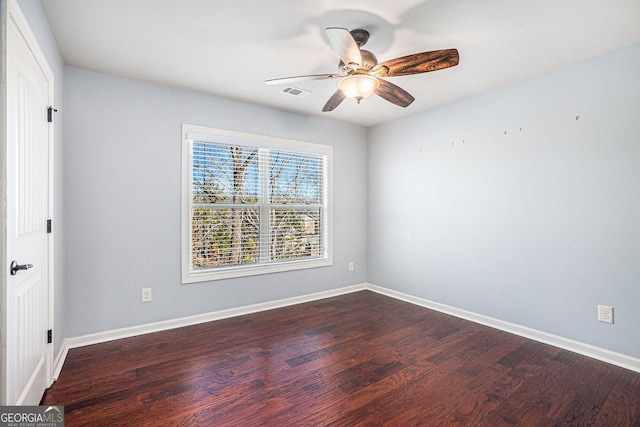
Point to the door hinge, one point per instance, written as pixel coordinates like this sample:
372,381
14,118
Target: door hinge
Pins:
50,112
48,226
49,336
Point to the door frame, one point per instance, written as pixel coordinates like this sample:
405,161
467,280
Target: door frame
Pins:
11,12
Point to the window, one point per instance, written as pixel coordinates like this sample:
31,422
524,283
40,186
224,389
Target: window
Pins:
253,204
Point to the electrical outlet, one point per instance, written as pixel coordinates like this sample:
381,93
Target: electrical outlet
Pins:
605,314
146,295
351,266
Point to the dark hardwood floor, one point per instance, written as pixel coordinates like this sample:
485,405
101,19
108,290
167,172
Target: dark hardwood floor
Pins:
357,359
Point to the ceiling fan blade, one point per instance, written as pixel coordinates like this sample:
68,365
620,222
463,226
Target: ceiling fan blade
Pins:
334,101
344,45
394,94
288,80
417,63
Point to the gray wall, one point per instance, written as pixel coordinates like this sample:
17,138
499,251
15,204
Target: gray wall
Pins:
40,27
123,178
506,205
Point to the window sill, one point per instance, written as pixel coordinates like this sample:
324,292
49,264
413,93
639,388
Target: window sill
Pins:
253,270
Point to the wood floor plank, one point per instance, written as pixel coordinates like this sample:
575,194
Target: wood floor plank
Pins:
355,359
623,404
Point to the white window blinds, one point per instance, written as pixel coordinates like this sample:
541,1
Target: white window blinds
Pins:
255,205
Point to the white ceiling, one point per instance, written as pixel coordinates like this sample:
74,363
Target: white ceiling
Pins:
228,48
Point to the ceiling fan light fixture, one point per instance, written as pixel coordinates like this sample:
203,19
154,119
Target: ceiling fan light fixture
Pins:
358,86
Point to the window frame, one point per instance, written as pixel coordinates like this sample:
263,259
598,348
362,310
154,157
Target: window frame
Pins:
202,133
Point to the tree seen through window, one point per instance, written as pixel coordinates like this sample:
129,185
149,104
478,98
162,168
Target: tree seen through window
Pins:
254,205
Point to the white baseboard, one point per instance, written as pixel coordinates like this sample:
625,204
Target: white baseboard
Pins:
594,352
618,359
60,358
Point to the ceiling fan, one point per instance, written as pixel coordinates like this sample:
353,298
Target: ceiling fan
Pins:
360,74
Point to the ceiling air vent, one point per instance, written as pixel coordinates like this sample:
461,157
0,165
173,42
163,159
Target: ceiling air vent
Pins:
294,91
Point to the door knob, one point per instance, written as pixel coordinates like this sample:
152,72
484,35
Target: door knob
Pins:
15,267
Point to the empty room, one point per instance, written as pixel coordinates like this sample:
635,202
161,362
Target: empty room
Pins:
295,213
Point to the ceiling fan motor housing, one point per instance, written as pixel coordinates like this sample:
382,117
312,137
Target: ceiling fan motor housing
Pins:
369,61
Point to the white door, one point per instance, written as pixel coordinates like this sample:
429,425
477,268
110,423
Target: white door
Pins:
28,356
